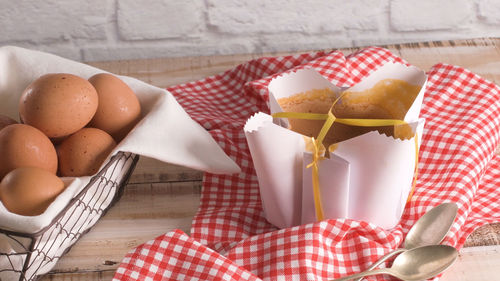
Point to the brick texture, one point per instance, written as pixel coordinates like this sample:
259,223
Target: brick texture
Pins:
490,11
153,19
283,16
127,29
409,15
46,22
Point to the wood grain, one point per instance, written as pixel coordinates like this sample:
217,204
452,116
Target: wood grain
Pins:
485,235
477,55
475,264
161,197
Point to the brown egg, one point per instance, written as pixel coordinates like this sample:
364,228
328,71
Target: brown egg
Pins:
23,145
28,191
6,120
58,104
82,153
119,109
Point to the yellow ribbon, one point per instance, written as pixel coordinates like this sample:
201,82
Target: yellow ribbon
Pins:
317,155
315,180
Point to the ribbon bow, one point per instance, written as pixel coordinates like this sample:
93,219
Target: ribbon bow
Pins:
318,154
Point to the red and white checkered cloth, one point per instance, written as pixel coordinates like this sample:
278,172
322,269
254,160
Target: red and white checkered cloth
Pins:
231,240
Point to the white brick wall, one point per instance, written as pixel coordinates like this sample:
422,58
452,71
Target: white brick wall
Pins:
124,29
428,15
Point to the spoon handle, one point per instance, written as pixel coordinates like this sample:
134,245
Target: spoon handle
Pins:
364,273
384,258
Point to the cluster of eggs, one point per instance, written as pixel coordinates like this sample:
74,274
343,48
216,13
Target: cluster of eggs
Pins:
69,126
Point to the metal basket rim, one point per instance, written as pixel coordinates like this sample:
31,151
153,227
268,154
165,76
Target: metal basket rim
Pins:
75,198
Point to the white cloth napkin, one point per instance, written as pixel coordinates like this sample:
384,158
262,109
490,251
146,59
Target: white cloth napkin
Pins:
166,132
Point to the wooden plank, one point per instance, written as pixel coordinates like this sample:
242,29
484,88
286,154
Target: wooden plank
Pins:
475,264
145,211
150,170
485,235
161,197
81,276
485,258
478,59
163,72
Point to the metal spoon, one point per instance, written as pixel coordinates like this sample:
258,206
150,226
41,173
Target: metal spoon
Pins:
430,229
416,264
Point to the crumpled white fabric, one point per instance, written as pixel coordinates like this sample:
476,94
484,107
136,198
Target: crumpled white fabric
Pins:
166,132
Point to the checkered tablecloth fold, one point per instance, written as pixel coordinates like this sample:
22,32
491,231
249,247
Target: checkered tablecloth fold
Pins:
176,256
457,164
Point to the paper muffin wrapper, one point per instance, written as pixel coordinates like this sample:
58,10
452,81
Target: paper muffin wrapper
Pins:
368,177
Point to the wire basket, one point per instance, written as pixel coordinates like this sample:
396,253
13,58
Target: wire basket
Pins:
28,256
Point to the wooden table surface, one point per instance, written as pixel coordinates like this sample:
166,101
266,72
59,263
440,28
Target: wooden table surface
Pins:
162,197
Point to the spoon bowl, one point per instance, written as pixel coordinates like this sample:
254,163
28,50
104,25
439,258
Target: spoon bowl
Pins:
416,264
424,262
430,229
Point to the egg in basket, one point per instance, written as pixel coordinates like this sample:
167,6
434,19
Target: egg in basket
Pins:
70,137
